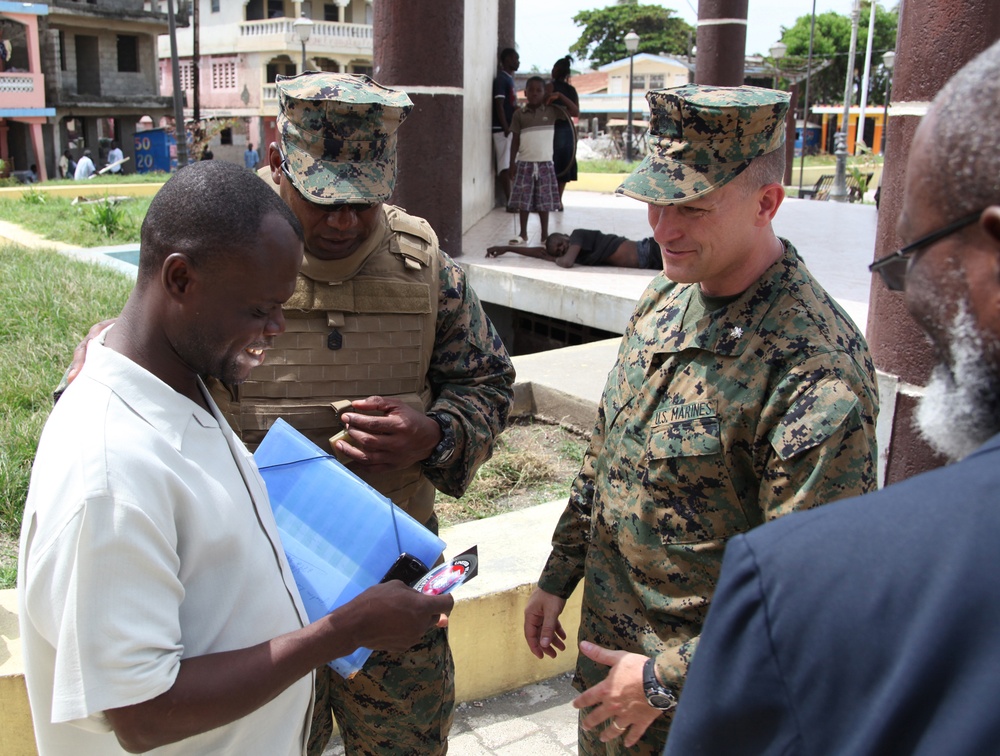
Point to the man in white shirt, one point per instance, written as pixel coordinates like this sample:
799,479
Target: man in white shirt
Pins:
157,609
84,167
115,155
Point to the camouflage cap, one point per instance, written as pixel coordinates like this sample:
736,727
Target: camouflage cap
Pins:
702,137
338,135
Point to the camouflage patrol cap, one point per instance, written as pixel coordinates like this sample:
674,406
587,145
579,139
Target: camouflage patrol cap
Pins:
338,135
702,137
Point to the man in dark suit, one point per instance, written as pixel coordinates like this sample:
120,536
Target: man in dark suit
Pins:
872,625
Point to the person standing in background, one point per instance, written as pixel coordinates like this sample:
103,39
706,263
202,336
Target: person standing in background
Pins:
564,141
535,189
250,157
504,105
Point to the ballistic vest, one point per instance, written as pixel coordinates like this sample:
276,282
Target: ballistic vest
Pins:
353,328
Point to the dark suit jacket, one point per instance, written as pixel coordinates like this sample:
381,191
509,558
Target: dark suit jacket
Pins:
867,626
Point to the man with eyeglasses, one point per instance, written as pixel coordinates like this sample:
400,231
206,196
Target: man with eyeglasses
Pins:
873,625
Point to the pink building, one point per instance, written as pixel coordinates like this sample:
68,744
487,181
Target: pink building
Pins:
243,46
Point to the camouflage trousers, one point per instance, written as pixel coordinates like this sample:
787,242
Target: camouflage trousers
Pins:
651,743
397,705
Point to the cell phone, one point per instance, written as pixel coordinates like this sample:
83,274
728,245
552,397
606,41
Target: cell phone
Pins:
407,568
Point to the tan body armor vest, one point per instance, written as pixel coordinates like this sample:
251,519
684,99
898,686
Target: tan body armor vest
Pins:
370,333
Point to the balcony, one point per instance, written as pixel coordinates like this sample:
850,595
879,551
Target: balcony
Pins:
22,90
277,35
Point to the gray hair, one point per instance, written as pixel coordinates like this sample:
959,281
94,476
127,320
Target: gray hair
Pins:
769,168
964,157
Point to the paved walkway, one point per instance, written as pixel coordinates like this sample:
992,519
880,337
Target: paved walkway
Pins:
536,720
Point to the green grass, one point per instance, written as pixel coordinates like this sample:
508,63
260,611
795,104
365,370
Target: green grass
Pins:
49,303
532,463
84,225
605,166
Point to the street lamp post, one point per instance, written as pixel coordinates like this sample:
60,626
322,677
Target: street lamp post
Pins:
888,60
839,191
631,45
303,27
778,50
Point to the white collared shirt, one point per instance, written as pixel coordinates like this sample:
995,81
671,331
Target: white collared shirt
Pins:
147,538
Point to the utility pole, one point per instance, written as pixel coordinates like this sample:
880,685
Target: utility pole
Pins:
196,63
839,191
179,131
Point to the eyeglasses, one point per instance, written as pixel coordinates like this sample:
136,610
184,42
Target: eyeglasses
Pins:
333,207
893,268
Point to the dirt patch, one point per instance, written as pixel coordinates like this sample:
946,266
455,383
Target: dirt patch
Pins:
534,462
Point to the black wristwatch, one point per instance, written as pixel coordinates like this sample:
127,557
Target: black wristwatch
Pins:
446,446
657,695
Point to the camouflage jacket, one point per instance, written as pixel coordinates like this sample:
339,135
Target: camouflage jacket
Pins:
710,424
469,375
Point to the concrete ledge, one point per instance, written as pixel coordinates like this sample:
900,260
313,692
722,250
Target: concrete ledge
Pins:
16,735
487,636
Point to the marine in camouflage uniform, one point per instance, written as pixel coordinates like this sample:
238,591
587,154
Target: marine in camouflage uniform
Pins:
720,414
395,318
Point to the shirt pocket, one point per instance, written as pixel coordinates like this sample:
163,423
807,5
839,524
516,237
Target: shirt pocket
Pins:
688,483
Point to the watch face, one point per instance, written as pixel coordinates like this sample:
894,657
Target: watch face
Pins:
661,701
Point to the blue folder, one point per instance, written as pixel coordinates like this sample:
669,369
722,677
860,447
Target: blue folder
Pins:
337,531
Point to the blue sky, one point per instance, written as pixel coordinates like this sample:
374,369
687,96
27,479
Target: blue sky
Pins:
545,28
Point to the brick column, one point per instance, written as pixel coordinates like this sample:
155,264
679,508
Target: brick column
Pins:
419,49
935,39
721,42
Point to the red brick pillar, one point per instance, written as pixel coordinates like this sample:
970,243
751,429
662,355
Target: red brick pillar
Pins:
419,48
935,39
721,42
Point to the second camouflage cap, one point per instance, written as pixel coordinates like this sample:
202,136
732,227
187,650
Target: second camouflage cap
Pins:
338,135
702,137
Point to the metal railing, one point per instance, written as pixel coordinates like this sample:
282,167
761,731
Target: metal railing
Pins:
325,34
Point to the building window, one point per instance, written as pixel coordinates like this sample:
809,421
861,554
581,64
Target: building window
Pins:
279,66
185,69
224,75
128,53
215,6
330,12
226,136
62,50
366,70
275,8
656,81
639,82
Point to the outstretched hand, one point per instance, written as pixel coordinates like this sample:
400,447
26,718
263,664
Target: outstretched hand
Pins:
394,439
496,251
542,629
619,699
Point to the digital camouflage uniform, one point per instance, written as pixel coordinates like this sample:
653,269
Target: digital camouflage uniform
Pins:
396,319
718,416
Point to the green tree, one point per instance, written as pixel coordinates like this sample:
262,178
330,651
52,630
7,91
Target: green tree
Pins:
833,42
603,38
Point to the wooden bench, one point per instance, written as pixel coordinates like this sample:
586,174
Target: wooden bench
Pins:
821,191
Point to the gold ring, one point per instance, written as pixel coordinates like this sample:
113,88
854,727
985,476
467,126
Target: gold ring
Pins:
618,726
